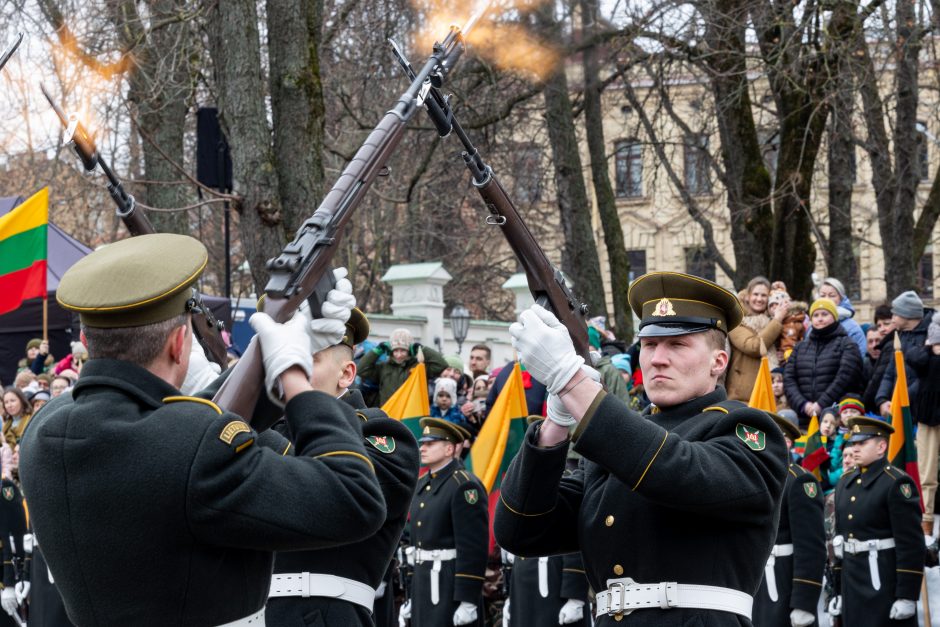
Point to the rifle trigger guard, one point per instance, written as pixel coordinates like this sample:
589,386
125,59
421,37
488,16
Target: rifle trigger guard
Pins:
495,220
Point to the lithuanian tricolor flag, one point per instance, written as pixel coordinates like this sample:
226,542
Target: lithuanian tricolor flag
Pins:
23,251
410,402
901,450
815,452
500,439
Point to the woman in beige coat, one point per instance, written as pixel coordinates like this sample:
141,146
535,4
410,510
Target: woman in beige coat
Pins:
746,339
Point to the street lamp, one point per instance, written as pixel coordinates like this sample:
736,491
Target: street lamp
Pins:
459,324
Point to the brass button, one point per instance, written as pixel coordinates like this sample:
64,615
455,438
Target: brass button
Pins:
427,488
609,521
618,617
618,569
852,499
419,542
851,535
858,480
419,522
850,518
422,504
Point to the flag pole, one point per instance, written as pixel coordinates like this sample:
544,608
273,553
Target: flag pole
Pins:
925,599
45,317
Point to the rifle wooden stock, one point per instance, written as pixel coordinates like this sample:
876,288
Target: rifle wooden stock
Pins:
300,268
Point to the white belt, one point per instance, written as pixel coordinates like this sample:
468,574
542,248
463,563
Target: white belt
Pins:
437,556
543,577
319,585
852,546
254,620
625,595
770,578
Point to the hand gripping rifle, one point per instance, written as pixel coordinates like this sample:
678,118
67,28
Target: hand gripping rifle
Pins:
301,271
206,327
546,282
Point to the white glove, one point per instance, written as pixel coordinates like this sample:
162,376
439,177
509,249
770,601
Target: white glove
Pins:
329,329
801,618
28,541
835,606
404,613
506,616
902,608
380,591
22,591
282,347
466,613
8,601
571,612
201,371
558,413
545,347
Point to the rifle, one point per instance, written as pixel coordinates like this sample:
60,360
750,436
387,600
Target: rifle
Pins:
546,282
300,272
205,325
9,53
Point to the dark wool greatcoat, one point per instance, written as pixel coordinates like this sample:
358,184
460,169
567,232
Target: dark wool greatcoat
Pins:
798,576
881,502
690,494
157,509
565,579
449,511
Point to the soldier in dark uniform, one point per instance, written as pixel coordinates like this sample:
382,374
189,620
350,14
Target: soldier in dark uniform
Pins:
789,593
547,591
338,586
16,558
879,544
153,508
673,511
45,603
449,534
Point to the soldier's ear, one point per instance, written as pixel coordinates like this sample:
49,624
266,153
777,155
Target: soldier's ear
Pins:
719,362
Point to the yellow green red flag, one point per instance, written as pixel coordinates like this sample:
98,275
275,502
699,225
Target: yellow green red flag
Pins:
503,431
410,403
762,396
901,450
23,253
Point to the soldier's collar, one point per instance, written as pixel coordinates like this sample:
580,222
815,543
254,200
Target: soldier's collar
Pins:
870,472
127,377
690,408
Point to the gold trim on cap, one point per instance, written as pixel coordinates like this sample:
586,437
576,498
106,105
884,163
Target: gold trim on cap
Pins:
189,280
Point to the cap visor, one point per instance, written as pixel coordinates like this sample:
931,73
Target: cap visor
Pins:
666,330
860,437
430,438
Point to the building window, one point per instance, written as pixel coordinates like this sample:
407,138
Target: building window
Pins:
697,179
923,152
925,275
629,166
698,264
637,260
527,187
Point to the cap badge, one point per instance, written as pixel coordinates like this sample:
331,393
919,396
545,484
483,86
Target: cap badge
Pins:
472,496
856,429
664,308
810,489
427,431
384,443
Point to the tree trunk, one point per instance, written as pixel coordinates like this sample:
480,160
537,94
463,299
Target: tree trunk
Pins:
579,254
235,49
617,257
297,106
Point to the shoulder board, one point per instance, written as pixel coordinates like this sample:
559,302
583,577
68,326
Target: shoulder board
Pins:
192,399
726,406
894,472
368,413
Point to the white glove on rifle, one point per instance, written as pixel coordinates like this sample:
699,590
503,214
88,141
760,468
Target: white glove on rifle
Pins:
201,371
380,591
801,618
835,606
556,410
545,348
466,613
506,615
404,613
283,346
8,601
22,591
901,609
329,329
571,612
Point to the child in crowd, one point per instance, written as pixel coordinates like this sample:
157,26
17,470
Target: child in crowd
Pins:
776,380
445,402
830,428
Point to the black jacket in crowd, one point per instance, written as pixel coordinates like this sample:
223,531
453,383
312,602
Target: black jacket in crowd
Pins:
822,369
915,361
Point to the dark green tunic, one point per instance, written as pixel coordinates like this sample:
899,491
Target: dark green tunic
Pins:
798,576
881,502
682,495
566,580
449,511
156,509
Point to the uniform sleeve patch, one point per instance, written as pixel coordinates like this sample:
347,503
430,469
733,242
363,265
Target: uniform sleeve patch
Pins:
755,439
811,489
232,429
906,490
384,443
8,493
472,496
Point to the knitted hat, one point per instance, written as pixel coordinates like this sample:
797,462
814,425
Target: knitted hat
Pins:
400,338
837,285
79,351
33,343
850,402
777,297
448,385
621,362
454,362
933,331
824,303
908,305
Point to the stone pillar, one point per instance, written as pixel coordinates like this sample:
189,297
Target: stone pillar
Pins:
418,292
519,286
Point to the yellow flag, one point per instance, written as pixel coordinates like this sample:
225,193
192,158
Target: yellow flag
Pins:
411,399
488,455
762,396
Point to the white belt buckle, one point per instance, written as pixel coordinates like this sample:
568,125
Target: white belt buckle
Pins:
305,585
623,598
